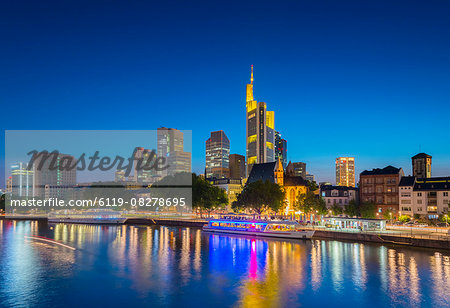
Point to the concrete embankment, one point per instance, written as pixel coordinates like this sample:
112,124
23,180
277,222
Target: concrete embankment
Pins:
167,222
18,217
132,221
382,238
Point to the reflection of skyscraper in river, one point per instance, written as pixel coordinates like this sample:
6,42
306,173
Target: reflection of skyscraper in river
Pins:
171,146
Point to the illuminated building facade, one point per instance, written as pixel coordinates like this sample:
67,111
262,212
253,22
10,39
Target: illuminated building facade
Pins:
260,126
280,149
345,171
217,155
427,197
171,146
22,180
421,165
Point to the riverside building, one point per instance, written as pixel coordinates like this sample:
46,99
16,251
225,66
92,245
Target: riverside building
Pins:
427,197
380,186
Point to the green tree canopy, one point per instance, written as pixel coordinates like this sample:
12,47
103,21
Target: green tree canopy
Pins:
259,197
388,214
367,210
404,218
310,203
205,196
336,209
312,185
351,209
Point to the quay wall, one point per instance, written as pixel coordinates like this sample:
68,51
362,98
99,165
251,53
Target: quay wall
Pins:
17,217
382,239
166,222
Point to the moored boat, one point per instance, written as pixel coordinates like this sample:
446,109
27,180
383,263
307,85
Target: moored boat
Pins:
278,229
87,217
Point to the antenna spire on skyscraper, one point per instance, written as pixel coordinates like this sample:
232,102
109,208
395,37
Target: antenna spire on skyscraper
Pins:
251,78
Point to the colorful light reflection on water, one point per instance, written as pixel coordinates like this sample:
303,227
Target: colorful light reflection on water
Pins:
169,266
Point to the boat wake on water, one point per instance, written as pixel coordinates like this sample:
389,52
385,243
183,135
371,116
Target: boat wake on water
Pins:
47,240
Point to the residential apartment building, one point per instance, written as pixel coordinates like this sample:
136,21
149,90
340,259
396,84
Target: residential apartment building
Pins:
339,195
428,197
380,186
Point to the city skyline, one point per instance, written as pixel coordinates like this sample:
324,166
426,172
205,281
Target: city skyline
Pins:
312,65
225,153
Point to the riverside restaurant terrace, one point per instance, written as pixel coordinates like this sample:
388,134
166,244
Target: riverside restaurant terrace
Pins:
346,223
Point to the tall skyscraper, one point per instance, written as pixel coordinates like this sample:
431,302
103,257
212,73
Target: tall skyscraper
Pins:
171,146
345,171
144,158
281,149
260,125
421,165
22,180
237,166
53,175
217,155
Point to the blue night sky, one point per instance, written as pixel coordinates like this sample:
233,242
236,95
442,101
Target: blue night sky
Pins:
369,79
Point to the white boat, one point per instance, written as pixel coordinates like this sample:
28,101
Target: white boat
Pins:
87,217
279,229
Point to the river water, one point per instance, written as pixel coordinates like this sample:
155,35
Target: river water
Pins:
169,266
